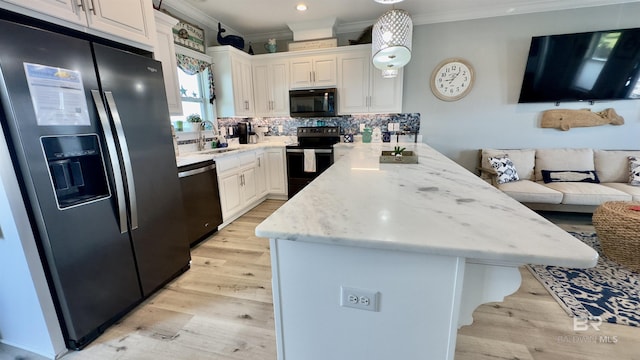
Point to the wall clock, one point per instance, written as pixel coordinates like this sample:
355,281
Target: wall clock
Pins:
452,79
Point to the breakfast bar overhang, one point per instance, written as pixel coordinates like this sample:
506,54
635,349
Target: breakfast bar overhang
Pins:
427,243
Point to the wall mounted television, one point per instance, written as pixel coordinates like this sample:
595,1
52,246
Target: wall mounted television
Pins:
590,66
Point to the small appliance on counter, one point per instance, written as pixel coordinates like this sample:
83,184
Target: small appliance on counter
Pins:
244,130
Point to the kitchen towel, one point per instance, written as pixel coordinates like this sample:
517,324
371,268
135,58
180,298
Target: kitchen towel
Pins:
309,160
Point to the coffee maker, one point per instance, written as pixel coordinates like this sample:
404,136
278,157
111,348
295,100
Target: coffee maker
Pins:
244,130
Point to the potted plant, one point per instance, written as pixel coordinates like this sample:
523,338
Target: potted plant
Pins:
397,151
194,118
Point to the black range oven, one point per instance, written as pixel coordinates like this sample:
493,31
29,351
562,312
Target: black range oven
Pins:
315,144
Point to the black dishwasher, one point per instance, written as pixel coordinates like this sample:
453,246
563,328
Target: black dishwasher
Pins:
201,198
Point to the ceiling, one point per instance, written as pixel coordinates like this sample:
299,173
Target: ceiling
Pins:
269,18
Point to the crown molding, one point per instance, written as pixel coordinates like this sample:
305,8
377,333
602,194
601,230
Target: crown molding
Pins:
182,8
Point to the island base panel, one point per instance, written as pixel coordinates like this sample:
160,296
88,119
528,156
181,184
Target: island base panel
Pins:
418,304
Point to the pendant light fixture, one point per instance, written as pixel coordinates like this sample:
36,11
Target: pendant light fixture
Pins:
391,40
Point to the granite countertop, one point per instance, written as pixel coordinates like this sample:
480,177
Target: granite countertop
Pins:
209,154
435,206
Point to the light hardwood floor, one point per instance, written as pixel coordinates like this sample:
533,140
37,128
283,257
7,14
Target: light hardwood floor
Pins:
221,309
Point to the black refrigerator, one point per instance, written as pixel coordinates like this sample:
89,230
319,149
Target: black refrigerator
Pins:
88,127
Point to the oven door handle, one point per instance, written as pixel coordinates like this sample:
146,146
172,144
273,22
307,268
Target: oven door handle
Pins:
317,151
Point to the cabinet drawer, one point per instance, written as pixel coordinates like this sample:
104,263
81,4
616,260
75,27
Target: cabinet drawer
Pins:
248,158
226,163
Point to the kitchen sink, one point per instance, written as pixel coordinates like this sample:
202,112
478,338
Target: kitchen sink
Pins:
216,151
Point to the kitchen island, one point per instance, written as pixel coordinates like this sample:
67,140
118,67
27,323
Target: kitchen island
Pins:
387,261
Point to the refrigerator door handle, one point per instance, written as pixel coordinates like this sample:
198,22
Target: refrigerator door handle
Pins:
113,159
124,148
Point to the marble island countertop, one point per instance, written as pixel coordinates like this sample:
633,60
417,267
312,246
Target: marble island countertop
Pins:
435,207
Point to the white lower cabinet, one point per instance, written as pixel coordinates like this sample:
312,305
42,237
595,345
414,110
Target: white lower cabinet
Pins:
249,177
261,174
237,183
276,172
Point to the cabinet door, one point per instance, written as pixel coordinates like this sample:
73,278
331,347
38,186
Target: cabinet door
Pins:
279,80
353,80
276,172
69,10
165,52
230,196
249,193
261,175
262,89
324,71
385,94
242,86
240,104
247,88
301,72
128,19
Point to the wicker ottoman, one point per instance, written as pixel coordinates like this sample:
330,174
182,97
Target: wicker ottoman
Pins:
618,228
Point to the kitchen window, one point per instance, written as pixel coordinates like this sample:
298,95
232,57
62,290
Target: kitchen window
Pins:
196,87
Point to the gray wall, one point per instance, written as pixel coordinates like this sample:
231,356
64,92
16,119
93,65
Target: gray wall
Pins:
490,116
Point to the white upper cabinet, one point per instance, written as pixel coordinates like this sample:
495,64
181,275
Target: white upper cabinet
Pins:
234,81
313,71
165,52
362,89
271,87
127,21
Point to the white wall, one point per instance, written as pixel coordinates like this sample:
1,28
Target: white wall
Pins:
27,316
490,117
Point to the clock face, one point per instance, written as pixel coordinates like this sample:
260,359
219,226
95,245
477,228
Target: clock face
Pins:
452,79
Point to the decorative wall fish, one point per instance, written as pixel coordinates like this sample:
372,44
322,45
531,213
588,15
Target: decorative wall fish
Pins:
565,119
233,40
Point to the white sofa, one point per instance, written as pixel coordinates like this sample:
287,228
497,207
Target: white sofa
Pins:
611,167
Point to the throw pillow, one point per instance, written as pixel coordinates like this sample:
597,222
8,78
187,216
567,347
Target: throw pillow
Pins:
590,176
634,171
505,169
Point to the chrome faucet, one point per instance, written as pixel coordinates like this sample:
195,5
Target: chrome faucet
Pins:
202,140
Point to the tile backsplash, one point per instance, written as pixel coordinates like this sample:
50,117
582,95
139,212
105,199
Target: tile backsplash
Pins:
349,124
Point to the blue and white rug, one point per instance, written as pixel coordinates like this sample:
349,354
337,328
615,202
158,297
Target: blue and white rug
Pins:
608,290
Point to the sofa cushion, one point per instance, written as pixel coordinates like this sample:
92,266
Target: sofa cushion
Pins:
505,170
523,160
563,159
634,171
612,166
577,193
528,191
589,176
634,191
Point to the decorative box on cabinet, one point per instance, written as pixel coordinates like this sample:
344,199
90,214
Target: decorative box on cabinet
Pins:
234,83
126,21
361,87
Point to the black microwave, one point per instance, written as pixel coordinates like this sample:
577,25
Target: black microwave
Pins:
312,102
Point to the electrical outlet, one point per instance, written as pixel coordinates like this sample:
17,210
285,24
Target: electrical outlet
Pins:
361,127
396,126
359,298
280,129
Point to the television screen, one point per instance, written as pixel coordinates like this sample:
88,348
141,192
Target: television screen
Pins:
602,65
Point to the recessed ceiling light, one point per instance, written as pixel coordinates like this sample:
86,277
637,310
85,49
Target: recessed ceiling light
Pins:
301,7
387,1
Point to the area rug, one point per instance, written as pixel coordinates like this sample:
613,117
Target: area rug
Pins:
608,290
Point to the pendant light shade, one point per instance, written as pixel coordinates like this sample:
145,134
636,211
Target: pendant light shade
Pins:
391,40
